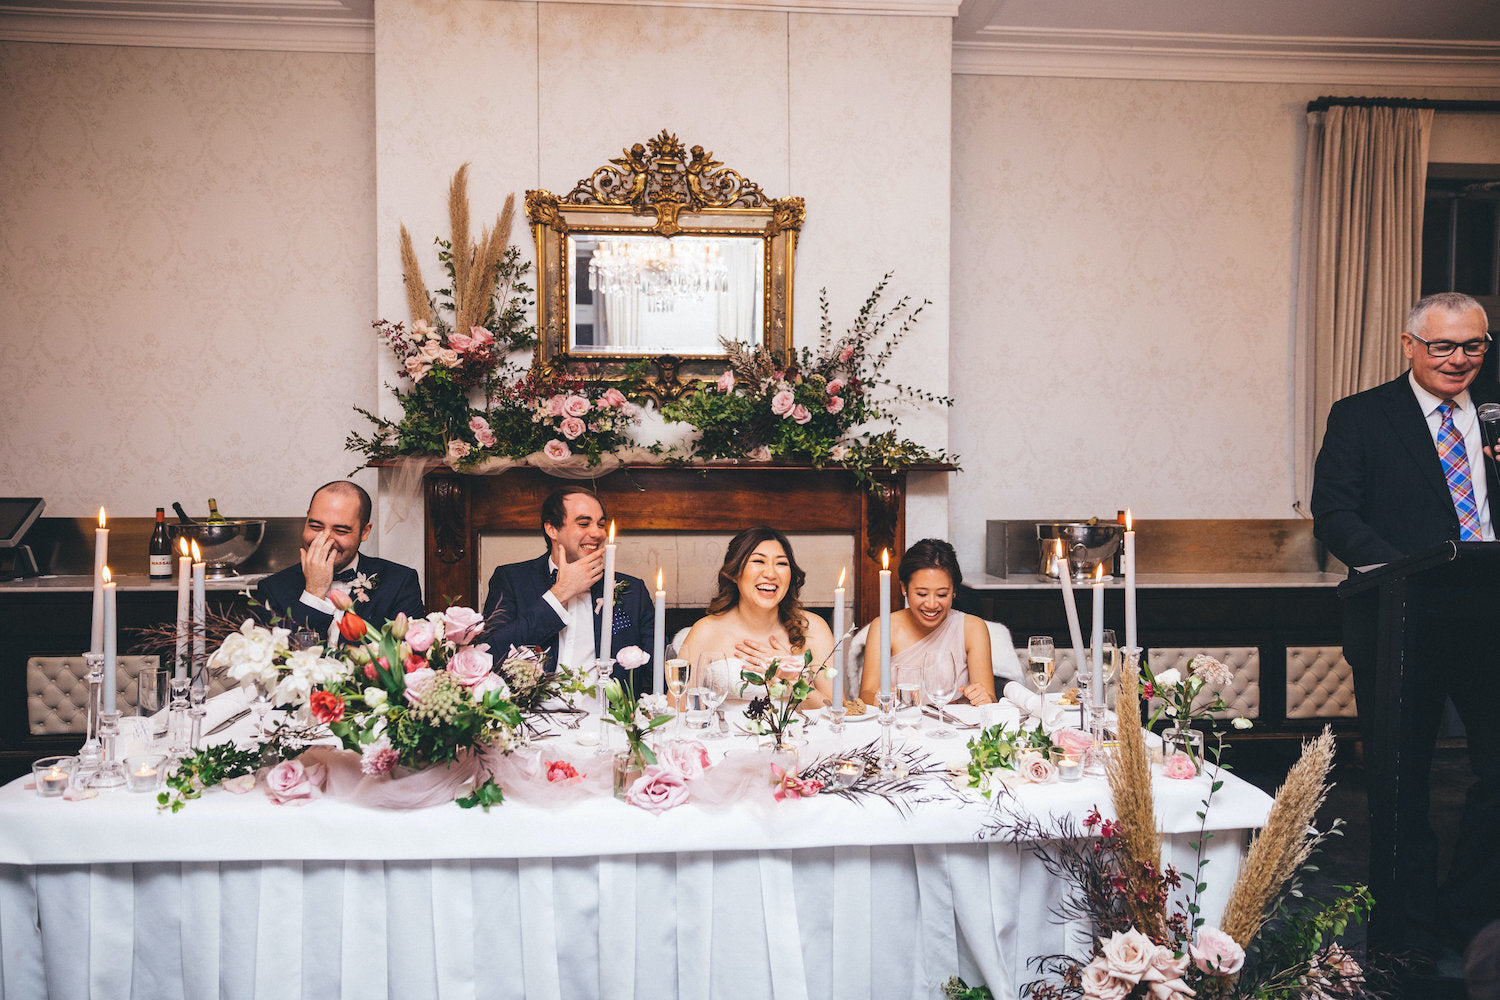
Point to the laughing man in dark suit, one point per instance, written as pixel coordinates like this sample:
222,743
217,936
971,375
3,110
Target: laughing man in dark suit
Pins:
338,521
555,600
1381,491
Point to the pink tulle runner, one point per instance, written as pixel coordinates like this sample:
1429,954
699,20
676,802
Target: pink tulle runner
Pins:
403,788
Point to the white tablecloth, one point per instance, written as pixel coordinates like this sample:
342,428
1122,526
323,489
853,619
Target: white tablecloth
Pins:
236,897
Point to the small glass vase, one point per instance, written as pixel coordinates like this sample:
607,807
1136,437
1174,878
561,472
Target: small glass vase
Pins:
1183,740
628,768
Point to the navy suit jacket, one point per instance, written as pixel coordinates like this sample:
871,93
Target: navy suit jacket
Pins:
1378,488
518,616
396,589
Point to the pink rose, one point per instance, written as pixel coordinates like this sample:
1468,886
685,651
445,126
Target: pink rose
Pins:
1179,766
458,448
472,664
1037,769
846,353
1166,965
416,368
835,404
419,635
575,406
555,406
688,758
632,656
760,454
556,450
613,398
782,402
462,625
1129,954
417,683
478,424
478,337
571,427
658,789
1075,741
490,682
447,358
835,387
839,452
726,382
1216,953
460,342
1098,984
291,784
800,414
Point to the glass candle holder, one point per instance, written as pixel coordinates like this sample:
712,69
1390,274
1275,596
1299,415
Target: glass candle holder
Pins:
836,716
848,772
52,775
1069,764
143,771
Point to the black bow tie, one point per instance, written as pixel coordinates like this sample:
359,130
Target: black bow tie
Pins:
552,576
347,576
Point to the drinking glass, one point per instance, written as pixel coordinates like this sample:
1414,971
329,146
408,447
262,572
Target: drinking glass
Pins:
153,694
304,638
940,684
906,682
1040,662
711,686
264,688
675,673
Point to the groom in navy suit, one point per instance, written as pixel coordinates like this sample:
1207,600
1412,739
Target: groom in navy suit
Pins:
338,521
1402,469
556,600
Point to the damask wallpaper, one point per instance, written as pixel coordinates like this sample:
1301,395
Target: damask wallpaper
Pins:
188,250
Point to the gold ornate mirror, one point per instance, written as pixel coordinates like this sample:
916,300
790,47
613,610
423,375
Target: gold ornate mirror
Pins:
656,256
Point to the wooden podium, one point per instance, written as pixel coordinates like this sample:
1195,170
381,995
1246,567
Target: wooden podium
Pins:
1454,576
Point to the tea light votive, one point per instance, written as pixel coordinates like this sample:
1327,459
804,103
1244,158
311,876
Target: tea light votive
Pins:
143,772
52,775
848,772
1069,764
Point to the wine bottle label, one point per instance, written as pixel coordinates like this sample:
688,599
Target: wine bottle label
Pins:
161,566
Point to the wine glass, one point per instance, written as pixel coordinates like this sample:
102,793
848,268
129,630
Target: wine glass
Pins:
1040,662
940,685
265,687
906,682
711,685
304,638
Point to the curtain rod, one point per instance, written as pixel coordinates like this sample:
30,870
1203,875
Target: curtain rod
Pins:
1479,107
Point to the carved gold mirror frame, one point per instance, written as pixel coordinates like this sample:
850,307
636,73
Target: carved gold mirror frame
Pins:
655,204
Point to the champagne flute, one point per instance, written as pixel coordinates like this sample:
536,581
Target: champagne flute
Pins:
906,682
264,688
1040,663
675,671
940,684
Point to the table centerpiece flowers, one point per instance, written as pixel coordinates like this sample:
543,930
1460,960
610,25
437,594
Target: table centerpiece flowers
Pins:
1024,754
810,411
786,686
1186,699
638,717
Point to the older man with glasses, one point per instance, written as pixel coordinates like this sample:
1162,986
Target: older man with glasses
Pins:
1402,468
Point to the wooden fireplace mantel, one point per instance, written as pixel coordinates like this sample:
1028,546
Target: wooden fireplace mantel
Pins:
461,508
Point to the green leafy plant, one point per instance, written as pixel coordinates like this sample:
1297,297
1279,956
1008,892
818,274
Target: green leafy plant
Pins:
999,747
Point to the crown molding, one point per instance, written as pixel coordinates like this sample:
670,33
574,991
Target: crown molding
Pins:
897,8
289,25
1145,55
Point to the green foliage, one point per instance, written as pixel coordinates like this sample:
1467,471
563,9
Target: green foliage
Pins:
1000,747
956,989
483,796
215,765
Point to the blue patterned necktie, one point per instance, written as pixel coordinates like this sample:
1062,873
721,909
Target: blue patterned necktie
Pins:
1455,461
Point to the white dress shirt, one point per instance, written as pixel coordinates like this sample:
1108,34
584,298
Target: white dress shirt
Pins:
1466,422
576,644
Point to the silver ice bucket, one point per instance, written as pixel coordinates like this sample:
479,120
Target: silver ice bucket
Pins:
1087,544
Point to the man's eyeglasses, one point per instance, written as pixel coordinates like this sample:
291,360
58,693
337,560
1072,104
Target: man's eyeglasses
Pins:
1443,348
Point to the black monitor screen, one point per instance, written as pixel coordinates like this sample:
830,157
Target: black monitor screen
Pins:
17,514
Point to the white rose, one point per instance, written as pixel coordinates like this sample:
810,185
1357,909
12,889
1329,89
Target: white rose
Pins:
1167,678
1129,954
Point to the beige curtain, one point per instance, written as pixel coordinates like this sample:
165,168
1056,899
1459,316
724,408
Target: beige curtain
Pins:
1363,193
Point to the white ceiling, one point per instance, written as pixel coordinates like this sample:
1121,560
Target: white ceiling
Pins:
1389,42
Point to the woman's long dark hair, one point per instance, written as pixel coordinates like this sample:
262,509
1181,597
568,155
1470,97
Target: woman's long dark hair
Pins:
741,546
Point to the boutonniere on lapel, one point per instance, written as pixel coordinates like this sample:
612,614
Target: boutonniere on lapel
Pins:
621,619
361,585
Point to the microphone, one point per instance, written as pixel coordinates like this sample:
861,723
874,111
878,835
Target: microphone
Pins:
1489,429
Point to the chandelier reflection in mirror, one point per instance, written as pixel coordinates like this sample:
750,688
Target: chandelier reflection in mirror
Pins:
661,271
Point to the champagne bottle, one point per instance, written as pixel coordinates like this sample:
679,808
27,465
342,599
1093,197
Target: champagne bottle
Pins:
182,515
214,517
160,549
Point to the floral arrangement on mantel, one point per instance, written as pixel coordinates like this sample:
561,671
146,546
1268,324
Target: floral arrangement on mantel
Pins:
467,402
1149,939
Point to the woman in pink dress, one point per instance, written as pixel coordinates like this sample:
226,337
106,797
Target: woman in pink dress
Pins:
928,625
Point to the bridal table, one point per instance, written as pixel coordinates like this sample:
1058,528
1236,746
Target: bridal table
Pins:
235,896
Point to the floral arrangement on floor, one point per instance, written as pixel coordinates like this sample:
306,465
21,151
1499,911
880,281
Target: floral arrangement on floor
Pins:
810,411
1023,754
1149,939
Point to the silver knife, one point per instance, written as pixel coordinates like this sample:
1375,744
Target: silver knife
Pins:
228,722
723,723
953,720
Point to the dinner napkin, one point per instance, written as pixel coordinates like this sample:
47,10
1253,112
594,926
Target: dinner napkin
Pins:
1028,701
221,707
